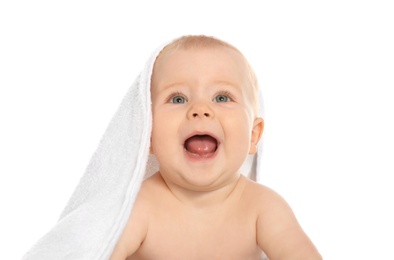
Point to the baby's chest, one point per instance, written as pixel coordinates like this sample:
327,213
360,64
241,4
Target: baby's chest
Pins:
202,237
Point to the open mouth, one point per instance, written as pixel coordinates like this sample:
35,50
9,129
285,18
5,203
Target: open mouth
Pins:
201,146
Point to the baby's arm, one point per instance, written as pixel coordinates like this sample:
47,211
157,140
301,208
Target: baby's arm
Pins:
134,233
278,232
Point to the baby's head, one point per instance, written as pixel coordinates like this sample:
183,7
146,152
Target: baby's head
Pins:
205,112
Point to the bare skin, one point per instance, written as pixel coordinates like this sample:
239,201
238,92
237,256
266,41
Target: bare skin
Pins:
199,206
241,219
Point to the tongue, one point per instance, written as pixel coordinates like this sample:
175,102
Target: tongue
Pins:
201,145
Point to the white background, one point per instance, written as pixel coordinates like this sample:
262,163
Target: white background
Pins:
326,69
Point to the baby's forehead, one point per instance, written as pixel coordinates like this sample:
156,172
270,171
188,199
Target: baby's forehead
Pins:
230,58
170,50
217,64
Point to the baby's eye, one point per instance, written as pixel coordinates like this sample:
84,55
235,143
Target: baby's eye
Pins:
221,98
178,100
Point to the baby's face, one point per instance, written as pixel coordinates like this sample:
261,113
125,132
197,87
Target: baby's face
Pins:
203,121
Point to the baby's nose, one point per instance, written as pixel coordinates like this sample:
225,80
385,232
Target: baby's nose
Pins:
200,110
204,114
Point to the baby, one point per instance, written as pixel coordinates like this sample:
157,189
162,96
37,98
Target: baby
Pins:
199,206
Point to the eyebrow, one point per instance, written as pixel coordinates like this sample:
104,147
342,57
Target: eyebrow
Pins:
227,83
215,83
174,84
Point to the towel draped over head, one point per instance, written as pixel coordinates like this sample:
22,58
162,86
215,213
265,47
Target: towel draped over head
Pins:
98,210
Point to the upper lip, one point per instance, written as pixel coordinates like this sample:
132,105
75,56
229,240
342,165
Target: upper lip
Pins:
201,133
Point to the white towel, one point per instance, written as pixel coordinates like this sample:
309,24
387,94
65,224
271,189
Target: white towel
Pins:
96,214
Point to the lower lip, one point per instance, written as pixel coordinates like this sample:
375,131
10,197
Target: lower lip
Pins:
198,158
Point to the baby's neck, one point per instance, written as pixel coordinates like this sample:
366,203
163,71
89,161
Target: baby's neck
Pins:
205,199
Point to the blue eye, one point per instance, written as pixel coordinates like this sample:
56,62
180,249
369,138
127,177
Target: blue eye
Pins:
178,100
221,98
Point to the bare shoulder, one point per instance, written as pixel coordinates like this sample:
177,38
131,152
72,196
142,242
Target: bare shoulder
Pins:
279,234
258,190
136,228
264,199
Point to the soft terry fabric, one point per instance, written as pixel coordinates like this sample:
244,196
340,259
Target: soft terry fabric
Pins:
93,220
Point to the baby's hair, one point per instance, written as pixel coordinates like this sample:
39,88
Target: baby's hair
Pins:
202,41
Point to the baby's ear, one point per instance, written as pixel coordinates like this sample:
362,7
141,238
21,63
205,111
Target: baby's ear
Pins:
257,131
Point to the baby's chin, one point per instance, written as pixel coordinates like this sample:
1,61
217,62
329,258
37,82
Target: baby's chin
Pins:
201,181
